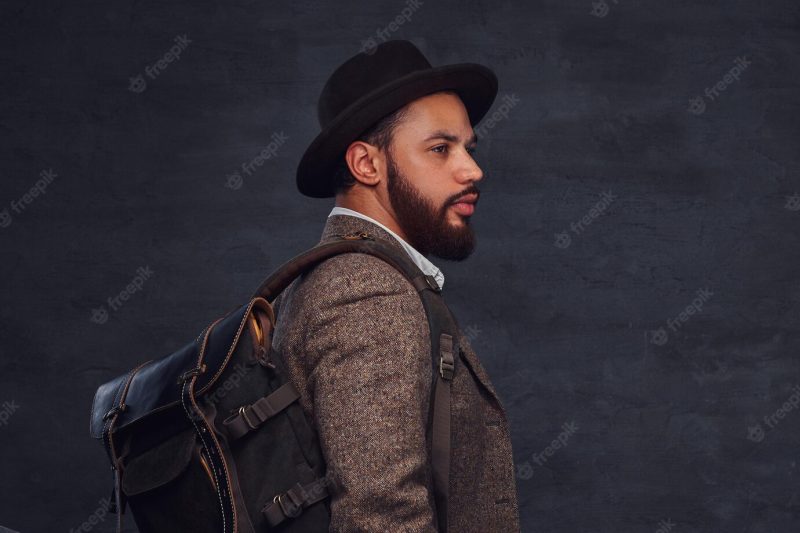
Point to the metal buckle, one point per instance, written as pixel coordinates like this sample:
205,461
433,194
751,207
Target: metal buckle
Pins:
243,413
450,366
293,510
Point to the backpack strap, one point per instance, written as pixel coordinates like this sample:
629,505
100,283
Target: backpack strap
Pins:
353,242
250,417
443,329
117,501
226,480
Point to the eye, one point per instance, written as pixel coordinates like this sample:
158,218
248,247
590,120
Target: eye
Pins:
436,148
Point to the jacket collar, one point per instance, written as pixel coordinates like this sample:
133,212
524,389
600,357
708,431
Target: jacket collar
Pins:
340,222
337,225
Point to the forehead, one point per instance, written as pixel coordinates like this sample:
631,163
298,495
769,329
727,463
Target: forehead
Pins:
437,111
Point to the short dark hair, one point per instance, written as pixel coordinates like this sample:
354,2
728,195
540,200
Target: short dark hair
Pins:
380,135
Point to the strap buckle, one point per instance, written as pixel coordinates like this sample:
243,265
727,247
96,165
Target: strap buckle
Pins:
293,509
243,413
446,367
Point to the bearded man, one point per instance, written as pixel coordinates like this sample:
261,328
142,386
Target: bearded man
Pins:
396,152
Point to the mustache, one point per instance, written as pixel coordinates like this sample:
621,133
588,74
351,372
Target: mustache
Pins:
470,190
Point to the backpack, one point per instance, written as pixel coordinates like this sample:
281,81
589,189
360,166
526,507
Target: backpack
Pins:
211,438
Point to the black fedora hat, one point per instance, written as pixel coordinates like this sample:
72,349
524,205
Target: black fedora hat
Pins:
373,84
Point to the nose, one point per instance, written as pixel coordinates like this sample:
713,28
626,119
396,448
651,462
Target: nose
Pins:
470,172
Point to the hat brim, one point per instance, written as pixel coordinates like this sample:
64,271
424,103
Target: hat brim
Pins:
475,84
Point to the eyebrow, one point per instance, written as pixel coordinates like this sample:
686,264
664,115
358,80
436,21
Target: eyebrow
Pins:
447,136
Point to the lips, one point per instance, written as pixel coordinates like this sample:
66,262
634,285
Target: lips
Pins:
466,204
464,208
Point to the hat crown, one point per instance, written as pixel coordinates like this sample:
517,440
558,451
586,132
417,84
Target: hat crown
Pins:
373,84
365,72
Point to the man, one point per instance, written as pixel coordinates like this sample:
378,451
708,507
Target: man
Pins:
396,152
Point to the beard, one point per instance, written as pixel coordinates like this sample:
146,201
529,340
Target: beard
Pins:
424,223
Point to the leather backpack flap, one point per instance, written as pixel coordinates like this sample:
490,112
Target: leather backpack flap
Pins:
159,465
170,487
157,386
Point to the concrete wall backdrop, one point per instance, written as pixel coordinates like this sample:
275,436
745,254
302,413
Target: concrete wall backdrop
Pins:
634,293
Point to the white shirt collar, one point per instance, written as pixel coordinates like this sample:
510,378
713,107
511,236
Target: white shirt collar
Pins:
420,260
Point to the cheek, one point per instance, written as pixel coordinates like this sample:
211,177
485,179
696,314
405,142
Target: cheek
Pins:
433,190
427,177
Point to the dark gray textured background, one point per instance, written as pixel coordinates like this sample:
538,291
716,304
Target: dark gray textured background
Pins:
666,436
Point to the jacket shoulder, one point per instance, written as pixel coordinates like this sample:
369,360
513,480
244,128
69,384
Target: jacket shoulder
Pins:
351,290
354,274
353,302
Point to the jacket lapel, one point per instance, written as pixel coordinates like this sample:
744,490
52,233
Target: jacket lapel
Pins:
343,224
468,355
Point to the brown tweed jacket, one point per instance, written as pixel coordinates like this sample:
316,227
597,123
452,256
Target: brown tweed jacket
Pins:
355,337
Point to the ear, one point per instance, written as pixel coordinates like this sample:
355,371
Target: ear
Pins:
366,163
